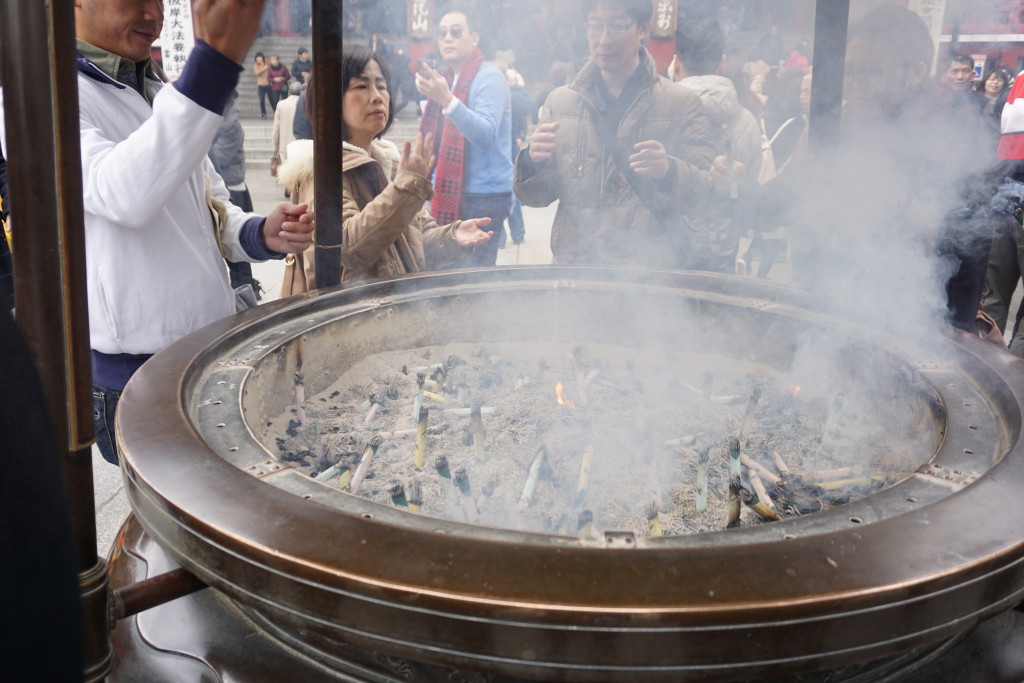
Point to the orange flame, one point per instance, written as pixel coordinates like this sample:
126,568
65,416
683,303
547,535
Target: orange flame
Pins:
562,400
796,391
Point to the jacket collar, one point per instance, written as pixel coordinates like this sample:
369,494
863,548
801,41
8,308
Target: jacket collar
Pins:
382,151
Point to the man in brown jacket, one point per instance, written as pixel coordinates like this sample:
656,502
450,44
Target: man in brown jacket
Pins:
625,151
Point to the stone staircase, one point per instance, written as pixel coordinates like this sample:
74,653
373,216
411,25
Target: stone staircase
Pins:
285,48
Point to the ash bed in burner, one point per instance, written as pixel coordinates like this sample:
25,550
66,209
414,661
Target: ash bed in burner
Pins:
645,444
875,584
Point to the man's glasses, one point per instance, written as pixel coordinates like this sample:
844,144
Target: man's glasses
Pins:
614,28
443,32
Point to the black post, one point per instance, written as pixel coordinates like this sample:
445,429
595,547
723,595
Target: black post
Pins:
41,117
831,23
327,139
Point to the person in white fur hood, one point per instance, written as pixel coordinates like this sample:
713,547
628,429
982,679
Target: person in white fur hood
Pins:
385,229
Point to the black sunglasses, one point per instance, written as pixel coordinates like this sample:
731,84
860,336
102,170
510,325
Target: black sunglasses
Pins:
456,32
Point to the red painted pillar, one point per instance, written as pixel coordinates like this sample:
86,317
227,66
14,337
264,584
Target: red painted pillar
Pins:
284,18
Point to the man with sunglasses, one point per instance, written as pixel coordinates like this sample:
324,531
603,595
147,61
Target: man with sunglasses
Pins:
625,152
470,115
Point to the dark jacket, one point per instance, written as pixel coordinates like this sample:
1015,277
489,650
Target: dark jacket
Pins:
299,66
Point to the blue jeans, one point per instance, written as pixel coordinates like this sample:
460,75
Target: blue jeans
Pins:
495,207
516,226
104,405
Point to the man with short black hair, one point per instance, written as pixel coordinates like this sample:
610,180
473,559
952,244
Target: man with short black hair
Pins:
472,126
624,151
301,67
713,233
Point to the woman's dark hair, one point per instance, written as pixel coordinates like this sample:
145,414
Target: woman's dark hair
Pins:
354,59
259,54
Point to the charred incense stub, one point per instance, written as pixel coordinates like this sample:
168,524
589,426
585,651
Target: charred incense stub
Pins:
653,520
418,400
476,426
450,492
734,457
531,479
748,416
421,437
369,451
466,495
583,482
415,496
581,379
585,523
397,493
705,395
761,494
733,516
703,461
300,401
759,469
757,505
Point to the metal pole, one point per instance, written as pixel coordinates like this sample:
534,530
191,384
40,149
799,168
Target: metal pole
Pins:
831,23
327,139
41,116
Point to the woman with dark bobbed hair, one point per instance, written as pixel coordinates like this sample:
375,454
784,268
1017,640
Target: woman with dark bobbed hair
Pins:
385,229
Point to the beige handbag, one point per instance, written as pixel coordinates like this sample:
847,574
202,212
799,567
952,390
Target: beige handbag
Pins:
294,281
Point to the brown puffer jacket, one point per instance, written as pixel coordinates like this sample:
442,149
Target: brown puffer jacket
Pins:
385,229
601,219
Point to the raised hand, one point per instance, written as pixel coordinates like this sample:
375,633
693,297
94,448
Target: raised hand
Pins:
542,144
229,26
419,157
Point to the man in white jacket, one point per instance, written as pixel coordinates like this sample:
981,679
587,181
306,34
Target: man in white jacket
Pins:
155,263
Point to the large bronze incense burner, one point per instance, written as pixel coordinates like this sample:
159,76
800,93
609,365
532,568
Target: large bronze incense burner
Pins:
863,588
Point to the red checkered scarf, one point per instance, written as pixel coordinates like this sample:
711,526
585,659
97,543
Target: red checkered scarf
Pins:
451,150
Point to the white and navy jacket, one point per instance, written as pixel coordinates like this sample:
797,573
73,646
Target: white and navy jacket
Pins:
155,271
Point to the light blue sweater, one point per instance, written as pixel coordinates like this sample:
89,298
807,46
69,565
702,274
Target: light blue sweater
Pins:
487,126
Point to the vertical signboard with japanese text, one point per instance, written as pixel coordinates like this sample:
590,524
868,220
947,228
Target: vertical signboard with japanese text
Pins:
419,18
664,19
177,38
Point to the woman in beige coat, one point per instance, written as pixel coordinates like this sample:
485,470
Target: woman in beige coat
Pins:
259,67
385,229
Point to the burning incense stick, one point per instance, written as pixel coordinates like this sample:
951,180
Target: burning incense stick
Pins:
581,379
341,469
653,482
780,464
748,417
760,469
450,493
418,400
476,426
848,483
466,491
591,376
830,430
415,496
733,516
757,505
369,451
584,480
653,520
703,461
400,434
687,440
531,480
468,412
300,400
724,399
372,412
398,496
421,438
585,524
434,397
761,493
424,369
734,457
705,395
